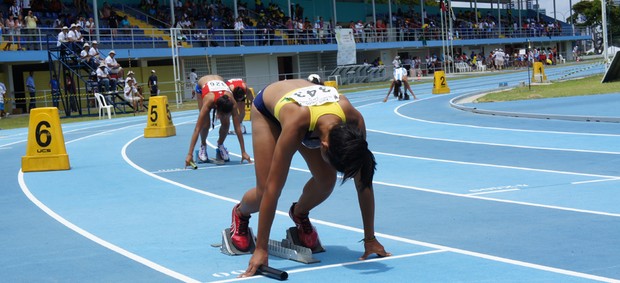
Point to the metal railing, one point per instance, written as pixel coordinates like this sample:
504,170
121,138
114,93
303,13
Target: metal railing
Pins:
132,38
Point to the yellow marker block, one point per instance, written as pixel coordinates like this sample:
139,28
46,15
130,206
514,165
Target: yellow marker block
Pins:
440,85
158,121
248,107
46,143
539,73
332,84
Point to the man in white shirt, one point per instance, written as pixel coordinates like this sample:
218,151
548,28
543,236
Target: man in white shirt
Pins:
113,66
63,37
94,52
85,56
72,37
104,79
239,28
132,95
193,80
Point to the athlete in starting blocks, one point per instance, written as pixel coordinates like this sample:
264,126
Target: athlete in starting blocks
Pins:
284,115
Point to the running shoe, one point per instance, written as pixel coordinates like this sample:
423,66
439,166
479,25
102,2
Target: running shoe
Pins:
222,153
305,231
239,231
202,154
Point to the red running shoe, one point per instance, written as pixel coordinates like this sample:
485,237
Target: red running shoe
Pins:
305,231
239,231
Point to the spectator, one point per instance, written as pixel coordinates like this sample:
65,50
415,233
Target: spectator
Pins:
94,53
70,90
124,25
86,58
193,81
239,28
113,23
106,10
131,93
55,87
2,92
103,76
32,91
153,84
10,29
72,38
63,39
89,27
31,31
359,31
79,39
19,24
114,67
15,9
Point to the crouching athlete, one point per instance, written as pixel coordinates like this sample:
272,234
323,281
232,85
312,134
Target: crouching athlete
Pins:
330,134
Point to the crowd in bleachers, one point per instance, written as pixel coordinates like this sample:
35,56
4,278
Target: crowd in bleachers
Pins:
207,21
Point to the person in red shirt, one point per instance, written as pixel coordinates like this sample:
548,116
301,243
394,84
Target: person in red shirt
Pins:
215,95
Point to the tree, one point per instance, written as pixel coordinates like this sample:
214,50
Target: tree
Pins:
588,14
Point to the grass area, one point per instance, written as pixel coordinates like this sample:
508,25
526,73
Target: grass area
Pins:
584,86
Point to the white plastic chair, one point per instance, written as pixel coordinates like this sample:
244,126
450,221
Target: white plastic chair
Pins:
481,66
102,105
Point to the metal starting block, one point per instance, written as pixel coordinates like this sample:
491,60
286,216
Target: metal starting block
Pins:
293,238
286,249
229,249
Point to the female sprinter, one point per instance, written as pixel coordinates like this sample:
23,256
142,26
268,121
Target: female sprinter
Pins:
400,78
214,94
330,134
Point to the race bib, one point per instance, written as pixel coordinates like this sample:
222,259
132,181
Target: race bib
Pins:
215,86
315,95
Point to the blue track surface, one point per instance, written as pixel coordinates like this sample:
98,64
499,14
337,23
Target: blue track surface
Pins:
461,197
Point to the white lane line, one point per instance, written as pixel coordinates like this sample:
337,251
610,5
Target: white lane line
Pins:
493,192
401,239
494,144
98,240
329,266
595,181
396,111
496,166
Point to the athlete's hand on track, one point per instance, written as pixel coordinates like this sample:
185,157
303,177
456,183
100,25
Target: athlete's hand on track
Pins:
245,156
259,257
374,247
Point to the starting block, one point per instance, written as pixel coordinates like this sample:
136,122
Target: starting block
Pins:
286,249
229,249
210,160
292,237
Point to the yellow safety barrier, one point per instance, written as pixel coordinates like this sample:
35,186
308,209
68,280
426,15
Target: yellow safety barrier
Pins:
539,73
159,121
332,84
248,107
46,144
440,85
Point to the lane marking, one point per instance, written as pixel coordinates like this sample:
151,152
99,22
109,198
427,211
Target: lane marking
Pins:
98,240
493,192
495,144
595,181
495,165
336,265
397,109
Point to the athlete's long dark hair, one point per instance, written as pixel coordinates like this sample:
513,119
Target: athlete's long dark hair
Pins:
239,93
223,104
348,152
